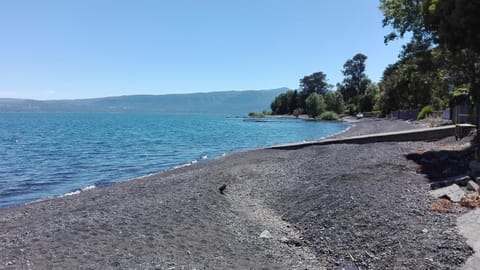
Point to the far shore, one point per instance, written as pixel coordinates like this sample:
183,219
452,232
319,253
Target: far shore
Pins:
318,207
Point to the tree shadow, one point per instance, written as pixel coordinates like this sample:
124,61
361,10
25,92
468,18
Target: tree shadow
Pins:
444,164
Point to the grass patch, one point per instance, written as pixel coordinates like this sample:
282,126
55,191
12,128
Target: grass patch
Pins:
427,110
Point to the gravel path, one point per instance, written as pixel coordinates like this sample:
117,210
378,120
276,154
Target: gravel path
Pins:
324,207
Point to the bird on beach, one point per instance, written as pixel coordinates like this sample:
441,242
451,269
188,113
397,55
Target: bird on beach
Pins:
222,188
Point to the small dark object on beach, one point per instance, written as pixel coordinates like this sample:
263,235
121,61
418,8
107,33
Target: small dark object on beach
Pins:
222,188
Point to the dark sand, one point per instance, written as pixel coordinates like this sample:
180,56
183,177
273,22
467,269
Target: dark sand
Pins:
325,207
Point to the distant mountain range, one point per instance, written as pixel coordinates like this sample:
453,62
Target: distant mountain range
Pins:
226,102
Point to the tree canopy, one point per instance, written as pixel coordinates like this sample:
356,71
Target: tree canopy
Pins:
313,98
353,93
454,24
355,81
443,54
314,83
442,58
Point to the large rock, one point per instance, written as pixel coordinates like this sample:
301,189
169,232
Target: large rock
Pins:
453,192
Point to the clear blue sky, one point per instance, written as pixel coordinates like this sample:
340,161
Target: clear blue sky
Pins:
94,48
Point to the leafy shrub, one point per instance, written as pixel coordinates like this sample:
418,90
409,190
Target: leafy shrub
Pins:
265,112
334,102
256,114
297,112
314,105
425,111
328,116
351,109
439,104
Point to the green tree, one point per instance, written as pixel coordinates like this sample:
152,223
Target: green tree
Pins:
367,100
287,102
454,25
393,86
355,82
405,17
314,105
314,83
293,102
334,102
379,105
451,24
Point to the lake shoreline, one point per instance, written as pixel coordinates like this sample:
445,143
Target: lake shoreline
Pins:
319,207
49,155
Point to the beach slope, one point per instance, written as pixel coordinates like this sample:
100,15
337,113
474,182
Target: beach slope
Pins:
318,207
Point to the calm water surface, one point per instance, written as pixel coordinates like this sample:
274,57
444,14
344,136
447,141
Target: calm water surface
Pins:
50,154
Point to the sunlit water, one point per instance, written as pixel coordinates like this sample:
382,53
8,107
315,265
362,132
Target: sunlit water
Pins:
50,154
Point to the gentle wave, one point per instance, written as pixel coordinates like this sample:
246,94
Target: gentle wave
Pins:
78,191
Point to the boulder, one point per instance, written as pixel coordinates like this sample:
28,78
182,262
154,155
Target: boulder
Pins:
453,192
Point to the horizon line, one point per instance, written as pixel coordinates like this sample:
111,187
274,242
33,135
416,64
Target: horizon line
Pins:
130,95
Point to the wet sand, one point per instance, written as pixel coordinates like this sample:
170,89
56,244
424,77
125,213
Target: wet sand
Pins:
325,207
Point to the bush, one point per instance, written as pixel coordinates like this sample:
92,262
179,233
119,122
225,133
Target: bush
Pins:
424,112
334,102
297,112
328,116
256,114
265,112
314,105
351,109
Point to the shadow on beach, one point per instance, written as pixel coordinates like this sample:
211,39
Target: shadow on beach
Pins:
446,161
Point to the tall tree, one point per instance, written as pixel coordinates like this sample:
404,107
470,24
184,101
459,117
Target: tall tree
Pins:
451,24
355,82
285,103
454,25
314,83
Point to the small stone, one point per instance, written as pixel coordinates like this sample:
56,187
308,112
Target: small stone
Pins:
425,231
284,239
222,189
266,234
472,186
291,241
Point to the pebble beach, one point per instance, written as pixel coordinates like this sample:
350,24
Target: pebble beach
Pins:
343,206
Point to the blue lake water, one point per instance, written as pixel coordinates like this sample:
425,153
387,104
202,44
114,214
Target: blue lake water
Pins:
50,154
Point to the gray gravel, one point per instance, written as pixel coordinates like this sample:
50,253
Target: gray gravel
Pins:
325,207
